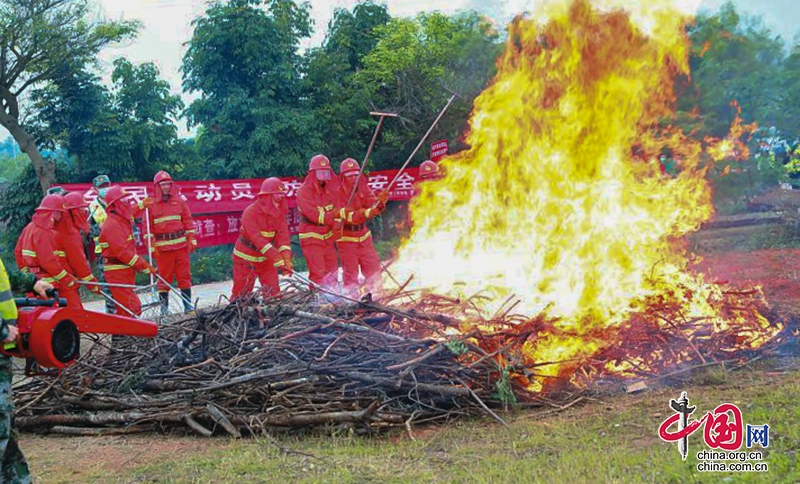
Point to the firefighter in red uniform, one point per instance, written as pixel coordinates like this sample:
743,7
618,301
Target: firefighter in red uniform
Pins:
71,242
119,252
38,250
263,244
355,244
428,170
173,230
319,205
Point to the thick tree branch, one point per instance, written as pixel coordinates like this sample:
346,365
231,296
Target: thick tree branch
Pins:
11,103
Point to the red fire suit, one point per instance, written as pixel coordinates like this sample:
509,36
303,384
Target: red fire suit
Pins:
173,230
260,249
355,245
319,212
121,261
38,252
73,256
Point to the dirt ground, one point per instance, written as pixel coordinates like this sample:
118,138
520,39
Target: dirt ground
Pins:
776,271
69,459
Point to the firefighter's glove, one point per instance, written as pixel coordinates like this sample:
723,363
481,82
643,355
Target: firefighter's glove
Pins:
377,209
94,286
288,268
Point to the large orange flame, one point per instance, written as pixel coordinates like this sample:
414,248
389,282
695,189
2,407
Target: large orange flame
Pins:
561,200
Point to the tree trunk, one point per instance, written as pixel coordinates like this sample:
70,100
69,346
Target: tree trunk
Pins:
46,172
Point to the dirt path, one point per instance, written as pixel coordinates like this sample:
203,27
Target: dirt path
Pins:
777,271
70,460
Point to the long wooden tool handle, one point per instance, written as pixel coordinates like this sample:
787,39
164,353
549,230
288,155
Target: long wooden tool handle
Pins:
364,163
449,102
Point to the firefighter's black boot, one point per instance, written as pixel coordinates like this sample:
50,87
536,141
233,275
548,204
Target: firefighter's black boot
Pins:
110,307
187,300
164,297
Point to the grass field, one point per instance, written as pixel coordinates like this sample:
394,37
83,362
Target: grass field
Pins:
607,439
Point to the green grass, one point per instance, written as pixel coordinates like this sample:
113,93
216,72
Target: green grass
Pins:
613,439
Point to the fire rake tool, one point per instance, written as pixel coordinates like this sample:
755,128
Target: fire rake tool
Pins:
89,218
364,166
111,284
405,165
435,122
116,303
109,298
50,332
369,152
304,280
183,298
149,238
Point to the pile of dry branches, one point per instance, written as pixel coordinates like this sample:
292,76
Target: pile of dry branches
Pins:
252,365
289,363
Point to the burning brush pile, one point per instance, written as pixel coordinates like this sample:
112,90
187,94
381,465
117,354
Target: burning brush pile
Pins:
556,238
253,366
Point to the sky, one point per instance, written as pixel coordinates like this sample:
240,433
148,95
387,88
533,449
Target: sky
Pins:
167,23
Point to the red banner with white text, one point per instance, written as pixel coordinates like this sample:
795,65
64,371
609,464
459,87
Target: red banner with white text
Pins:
217,205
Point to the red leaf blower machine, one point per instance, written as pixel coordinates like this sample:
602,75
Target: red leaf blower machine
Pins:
50,332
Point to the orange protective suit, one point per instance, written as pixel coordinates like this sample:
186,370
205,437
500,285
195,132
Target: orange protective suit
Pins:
71,242
119,254
262,247
173,230
319,205
39,252
355,245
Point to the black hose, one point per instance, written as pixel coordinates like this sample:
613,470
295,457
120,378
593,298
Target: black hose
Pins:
29,302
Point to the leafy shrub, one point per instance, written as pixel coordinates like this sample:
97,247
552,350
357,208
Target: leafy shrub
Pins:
212,264
17,203
18,200
735,183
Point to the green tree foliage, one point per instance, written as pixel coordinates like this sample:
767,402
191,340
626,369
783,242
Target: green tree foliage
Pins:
351,35
412,70
147,112
734,59
17,204
41,40
127,131
189,164
12,166
738,65
243,59
341,105
788,117
67,108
